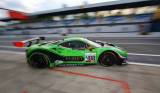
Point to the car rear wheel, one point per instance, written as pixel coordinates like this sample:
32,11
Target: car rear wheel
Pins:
108,59
39,60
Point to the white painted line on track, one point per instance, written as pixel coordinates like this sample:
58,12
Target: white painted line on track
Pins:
6,41
143,64
137,54
12,47
152,44
110,35
11,52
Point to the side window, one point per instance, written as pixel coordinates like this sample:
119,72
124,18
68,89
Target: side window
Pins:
65,44
75,44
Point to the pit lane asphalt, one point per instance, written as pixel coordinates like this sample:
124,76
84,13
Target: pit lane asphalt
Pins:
138,45
18,77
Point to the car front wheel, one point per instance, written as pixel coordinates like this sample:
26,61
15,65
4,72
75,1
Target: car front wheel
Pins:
108,59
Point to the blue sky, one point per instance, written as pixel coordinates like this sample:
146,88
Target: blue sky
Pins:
41,5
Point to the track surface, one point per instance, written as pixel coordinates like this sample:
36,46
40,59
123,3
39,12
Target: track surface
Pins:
18,77
143,50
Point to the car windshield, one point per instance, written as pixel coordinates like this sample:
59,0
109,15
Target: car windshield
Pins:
94,43
54,42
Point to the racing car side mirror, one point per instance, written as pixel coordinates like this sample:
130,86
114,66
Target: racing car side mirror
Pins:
102,44
90,48
111,44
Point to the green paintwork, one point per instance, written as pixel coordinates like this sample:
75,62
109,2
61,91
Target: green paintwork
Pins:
56,48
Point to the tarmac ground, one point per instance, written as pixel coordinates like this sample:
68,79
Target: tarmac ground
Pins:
141,49
17,77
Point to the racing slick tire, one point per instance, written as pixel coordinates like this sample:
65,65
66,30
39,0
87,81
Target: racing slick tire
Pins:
108,59
39,60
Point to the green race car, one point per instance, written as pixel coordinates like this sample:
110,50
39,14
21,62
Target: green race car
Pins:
73,50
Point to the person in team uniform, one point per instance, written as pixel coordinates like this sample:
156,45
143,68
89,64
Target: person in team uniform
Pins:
156,21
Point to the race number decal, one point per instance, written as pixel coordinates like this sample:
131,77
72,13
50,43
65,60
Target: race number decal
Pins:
90,57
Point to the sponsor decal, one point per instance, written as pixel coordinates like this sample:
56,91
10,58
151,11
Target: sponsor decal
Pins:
73,58
90,57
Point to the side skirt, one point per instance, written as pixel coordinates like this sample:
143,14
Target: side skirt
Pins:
71,63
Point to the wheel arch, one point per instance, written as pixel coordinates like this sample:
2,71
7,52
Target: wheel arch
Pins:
115,53
30,51
51,55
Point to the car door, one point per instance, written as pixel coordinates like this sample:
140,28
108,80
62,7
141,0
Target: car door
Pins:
71,50
77,50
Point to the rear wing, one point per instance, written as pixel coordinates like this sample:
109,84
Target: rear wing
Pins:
28,42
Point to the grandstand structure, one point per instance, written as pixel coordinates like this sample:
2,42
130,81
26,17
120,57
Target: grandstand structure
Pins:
45,22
